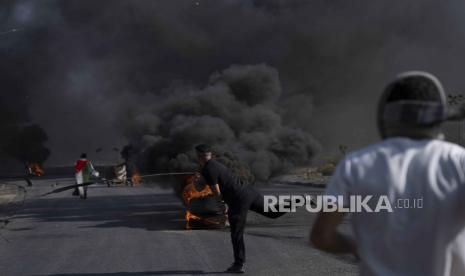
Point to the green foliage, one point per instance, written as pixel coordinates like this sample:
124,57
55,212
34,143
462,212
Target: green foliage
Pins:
327,168
330,163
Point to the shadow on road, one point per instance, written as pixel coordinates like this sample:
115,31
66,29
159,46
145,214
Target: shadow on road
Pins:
165,272
152,212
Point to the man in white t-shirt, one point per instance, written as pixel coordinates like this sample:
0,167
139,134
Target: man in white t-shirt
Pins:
422,176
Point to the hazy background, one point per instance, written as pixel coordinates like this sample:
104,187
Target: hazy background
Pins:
100,74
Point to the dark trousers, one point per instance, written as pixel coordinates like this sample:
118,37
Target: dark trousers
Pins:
83,194
237,216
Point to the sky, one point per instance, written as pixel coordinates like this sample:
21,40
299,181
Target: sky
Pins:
100,74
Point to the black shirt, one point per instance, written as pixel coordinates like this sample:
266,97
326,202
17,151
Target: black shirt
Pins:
231,186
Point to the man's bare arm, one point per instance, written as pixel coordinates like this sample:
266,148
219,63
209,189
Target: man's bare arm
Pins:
325,236
216,190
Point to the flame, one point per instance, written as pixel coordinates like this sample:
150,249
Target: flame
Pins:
36,169
189,216
190,192
211,221
136,177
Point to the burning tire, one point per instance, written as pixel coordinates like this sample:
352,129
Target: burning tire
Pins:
203,210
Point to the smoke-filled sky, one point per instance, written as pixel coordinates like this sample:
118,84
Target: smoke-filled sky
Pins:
78,68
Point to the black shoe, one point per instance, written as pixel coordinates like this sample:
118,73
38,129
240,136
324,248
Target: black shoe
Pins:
236,268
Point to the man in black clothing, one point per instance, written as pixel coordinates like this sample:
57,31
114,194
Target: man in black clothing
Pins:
240,197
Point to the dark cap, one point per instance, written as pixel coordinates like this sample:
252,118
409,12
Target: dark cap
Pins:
417,98
83,155
203,148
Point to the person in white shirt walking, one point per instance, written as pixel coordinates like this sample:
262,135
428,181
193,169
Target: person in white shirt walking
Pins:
411,164
83,171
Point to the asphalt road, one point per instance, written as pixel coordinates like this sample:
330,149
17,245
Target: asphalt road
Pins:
140,231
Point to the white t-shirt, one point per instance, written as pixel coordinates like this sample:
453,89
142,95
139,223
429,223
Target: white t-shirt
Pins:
408,241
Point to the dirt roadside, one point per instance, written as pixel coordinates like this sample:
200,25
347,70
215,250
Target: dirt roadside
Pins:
308,176
9,193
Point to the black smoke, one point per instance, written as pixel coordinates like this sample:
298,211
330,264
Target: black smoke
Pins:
91,72
26,144
21,138
236,112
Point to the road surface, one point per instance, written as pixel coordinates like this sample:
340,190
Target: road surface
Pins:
140,231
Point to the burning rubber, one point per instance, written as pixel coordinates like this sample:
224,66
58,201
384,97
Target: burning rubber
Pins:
203,209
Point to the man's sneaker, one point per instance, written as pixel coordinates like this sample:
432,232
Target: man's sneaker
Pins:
236,268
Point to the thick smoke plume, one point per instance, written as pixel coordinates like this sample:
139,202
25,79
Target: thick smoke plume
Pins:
236,112
24,144
21,138
77,66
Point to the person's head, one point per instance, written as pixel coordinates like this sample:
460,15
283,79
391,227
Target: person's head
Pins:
204,153
83,155
413,105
